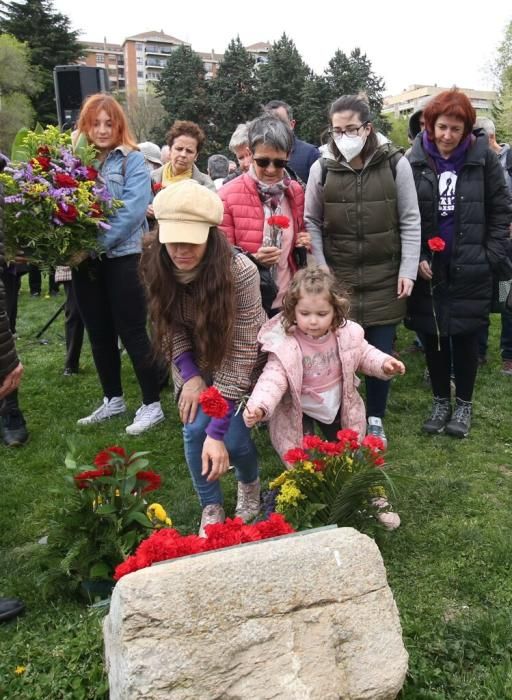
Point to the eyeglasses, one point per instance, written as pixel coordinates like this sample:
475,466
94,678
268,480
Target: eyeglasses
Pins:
350,131
276,162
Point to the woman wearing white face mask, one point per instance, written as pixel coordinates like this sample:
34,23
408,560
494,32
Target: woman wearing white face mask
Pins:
362,213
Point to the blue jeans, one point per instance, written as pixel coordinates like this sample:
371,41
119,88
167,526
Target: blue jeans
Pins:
242,453
377,390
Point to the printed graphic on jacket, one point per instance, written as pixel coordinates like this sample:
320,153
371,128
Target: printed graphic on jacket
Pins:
447,184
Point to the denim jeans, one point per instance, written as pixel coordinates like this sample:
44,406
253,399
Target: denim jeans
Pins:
242,453
377,390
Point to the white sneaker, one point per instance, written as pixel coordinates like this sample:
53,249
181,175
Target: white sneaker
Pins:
146,417
211,515
376,428
108,409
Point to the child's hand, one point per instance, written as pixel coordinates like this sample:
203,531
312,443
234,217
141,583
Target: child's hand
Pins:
251,417
393,366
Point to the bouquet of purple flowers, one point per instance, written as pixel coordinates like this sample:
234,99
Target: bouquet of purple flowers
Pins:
55,202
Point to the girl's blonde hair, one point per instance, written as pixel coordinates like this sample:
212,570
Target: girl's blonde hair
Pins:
314,280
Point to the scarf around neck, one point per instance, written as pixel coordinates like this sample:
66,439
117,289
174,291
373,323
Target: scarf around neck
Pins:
455,160
270,195
168,177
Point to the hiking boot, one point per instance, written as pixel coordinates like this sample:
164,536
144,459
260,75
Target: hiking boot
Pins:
506,367
376,428
461,419
439,416
9,608
211,515
14,429
248,501
145,418
108,409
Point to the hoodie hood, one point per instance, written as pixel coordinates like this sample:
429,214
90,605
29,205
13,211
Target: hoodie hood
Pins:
414,124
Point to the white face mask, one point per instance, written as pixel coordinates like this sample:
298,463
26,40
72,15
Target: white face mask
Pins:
349,146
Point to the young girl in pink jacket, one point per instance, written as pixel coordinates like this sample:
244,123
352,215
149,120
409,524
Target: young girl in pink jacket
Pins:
314,354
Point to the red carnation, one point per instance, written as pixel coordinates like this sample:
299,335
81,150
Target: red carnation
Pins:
436,244
67,215
65,180
331,448
296,455
213,403
103,458
311,442
152,479
95,211
156,187
91,173
42,161
82,478
319,465
374,443
348,437
278,220
43,151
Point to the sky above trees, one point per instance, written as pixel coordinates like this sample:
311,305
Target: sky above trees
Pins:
444,44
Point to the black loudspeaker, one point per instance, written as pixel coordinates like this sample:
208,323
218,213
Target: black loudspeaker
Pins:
72,85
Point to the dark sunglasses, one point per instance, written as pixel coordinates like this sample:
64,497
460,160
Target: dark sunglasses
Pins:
276,162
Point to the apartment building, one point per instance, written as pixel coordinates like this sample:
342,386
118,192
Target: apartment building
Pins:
139,61
416,97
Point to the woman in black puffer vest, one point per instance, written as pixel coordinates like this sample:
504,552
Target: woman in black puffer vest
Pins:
464,202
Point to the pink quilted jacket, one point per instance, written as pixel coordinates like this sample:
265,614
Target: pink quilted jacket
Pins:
279,387
243,212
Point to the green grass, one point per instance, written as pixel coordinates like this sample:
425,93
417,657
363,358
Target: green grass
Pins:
448,565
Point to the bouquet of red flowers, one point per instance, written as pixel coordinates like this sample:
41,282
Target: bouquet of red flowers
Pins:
103,517
55,202
340,482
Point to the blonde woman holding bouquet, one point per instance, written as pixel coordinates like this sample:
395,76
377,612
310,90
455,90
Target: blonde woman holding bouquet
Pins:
107,288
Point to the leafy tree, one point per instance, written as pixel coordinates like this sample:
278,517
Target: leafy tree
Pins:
233,95
17,83
399,130
350,75
145,114
312,117
51,43
182,89
284,75
502,111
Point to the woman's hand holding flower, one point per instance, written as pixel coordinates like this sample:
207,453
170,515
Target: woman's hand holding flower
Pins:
215,459
268,255
189,399
424,270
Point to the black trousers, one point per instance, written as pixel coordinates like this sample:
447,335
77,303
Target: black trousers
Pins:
461,351
74,328
12,284
111,302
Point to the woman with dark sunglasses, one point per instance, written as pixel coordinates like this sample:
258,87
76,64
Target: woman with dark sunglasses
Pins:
363,217
266,191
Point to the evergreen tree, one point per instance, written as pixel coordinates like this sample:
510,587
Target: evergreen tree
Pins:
182,88
51,43
350,75
312,114
284,75
233,95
